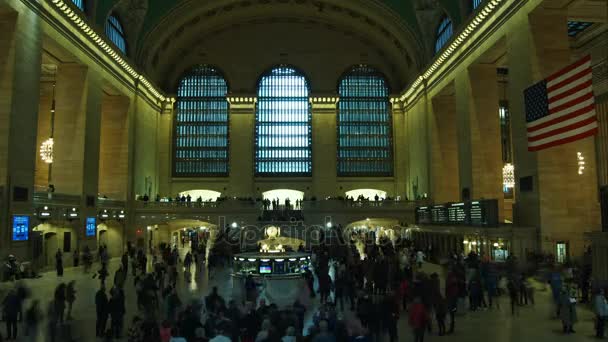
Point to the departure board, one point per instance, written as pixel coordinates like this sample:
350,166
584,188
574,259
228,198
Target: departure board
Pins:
423,215
482,213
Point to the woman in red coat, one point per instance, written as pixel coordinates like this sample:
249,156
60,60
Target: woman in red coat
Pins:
419,319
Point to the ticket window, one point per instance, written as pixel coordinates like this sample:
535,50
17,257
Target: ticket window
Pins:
561,252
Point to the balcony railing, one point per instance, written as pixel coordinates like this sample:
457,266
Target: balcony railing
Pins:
52,198
338,204
184,206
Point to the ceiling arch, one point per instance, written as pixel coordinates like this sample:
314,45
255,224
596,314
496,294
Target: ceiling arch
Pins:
376,34
168,37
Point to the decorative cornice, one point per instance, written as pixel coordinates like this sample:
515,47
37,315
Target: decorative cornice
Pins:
87,32
448,54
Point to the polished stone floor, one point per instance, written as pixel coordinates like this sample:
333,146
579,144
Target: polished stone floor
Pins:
533,323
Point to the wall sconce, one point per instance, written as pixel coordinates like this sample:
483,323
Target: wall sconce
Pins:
581,162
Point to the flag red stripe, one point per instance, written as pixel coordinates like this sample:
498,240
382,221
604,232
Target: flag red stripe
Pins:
571,103
563,129
569,68
568,80
564,141
571,91
562,118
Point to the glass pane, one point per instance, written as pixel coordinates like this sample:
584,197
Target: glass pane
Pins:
201,125
283,124
364,124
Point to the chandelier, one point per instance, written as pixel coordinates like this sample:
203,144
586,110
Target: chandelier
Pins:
508,175
46,150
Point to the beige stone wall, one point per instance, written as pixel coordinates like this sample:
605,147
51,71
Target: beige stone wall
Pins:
44,132
114,147
70,121
444,166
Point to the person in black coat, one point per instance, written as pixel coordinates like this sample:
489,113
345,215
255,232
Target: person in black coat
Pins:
117,311
101,304
11,311
59,263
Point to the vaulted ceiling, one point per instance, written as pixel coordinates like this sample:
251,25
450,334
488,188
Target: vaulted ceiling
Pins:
167,37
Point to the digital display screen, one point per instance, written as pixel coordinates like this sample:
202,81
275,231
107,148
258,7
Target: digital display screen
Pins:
21,228
265,269
91,227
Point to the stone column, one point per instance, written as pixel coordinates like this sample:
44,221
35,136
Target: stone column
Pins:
114,147
242,147
445,179
400,151
70,123
479,141
324,147
20,63
564,202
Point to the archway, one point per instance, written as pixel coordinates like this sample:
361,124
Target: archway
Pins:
204,194
283,194
368,194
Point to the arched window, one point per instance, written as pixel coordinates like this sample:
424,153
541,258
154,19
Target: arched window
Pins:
80,4
283,124
115,32
476,4
364,124
201,145
444,33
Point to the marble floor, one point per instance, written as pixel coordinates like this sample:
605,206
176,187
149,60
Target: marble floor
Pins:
533,323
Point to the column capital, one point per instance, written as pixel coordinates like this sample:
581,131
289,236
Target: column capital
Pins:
246,102
327,103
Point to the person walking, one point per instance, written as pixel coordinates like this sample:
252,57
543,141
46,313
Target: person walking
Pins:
60,302
440,307
11,313
33,317
101,305
418,319
59,263
601,312
117,310
76,257
567,310
70,296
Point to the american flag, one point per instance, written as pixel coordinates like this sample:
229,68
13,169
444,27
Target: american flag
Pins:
561,108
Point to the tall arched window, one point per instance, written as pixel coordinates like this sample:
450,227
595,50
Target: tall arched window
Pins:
115,32
80,4
444,33
476,3
283,124
201,144
364,124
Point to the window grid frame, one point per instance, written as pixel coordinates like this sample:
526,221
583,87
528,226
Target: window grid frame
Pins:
365,76
266,103
80,4
202,106
115,32
445,30
475,4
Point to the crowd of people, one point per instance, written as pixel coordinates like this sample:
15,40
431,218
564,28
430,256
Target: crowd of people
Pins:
362,293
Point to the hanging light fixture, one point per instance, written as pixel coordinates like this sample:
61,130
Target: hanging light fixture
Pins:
508,175
46,150
47,146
